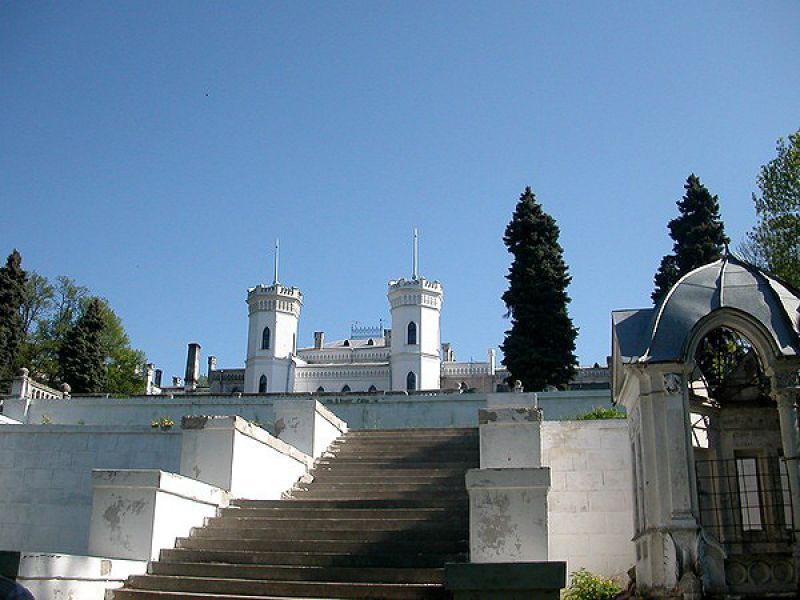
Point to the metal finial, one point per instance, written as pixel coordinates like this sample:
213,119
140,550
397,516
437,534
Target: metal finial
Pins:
277,260
415,271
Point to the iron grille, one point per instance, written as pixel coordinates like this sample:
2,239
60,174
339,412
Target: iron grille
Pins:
745,503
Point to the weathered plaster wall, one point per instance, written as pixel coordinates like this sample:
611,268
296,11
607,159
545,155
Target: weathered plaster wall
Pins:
45,478
590,505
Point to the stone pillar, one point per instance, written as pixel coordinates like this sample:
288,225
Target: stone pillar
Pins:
787,397
508,494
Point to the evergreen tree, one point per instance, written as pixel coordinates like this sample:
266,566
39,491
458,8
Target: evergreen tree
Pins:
12,326
82,356
539,348
774,242
698,233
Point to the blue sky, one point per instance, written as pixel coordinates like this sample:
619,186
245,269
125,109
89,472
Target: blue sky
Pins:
153,151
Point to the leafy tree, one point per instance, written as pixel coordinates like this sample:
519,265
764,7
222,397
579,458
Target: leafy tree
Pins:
12,289
57,312
81,355
539,348
774,242
698,233
123,362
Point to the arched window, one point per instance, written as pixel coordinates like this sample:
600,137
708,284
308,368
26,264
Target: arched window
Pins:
320,389
372,388
411,338
411,381
262,385
346,388
265,339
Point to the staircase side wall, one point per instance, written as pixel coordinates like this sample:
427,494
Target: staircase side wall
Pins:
590,504
45,478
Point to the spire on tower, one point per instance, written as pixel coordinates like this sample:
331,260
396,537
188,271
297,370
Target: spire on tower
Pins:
277,260
415,271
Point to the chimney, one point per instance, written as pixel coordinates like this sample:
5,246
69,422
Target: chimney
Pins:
176,381
159,374
212,365
387,336
492,360
319,339
192,367
447,352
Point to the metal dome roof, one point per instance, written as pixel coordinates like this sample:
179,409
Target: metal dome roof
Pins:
661,334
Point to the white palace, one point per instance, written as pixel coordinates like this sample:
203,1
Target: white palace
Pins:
407,357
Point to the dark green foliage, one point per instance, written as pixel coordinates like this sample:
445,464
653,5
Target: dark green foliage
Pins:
539,348
698,233
82,355
774,242
12,325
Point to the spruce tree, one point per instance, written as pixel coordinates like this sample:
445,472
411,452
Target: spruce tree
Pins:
82,356
539,349
12,326
698,233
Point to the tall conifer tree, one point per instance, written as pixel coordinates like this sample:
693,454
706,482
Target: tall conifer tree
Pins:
82,356
12,326
539,349
698,233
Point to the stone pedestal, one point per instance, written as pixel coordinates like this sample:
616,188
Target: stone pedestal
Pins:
510,437
506,581
508,514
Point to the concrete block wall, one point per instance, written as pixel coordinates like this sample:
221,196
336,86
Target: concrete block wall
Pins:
590,504
45,478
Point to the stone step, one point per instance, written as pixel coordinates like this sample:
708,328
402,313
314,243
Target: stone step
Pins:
333,545
360,503
376,559
333,474
405,446
431,431
307,589
431,486
299,573
441,497
452,534
336,524
376,466
285,510
129,594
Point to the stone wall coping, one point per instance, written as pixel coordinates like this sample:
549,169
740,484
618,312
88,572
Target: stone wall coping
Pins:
535,477
244,427
502,416
161,481
550,575
328,415
16,427
43,565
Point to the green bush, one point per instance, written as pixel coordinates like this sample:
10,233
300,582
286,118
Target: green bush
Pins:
584,585
598,412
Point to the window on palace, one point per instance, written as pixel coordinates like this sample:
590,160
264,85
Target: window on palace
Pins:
320,389
265,339
262,385
372,388
411,381
346,388
411,338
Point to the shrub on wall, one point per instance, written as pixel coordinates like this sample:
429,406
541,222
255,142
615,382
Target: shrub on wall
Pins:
584,585
599,412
